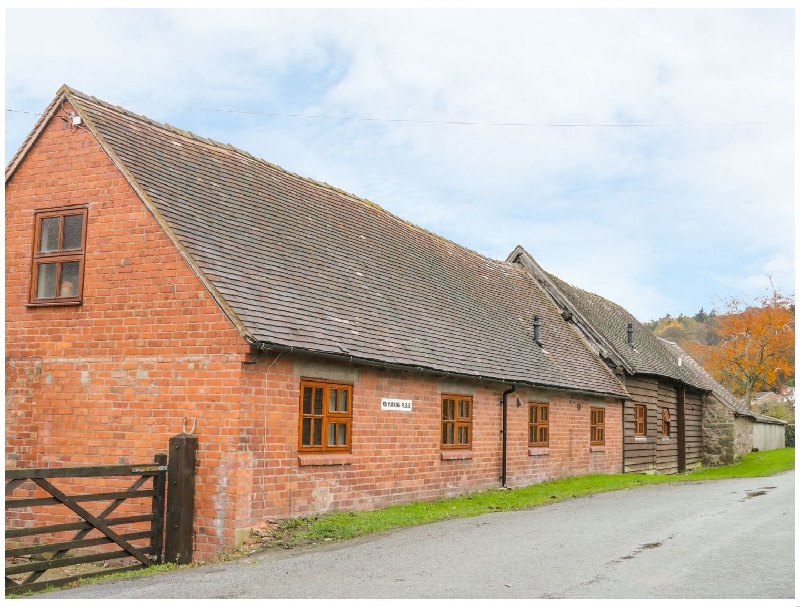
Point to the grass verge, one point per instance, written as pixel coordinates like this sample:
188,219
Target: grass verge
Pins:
338,526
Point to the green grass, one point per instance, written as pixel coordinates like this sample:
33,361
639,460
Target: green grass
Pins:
347,525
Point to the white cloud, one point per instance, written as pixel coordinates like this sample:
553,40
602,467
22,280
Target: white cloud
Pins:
659,218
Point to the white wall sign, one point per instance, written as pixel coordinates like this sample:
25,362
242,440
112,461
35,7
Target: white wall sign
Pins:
393,404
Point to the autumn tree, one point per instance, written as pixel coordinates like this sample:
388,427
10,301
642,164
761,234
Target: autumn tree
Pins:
755,347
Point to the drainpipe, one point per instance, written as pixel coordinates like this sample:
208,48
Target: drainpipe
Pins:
513,388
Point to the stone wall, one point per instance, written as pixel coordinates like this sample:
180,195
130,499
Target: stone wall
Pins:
718,433
743,428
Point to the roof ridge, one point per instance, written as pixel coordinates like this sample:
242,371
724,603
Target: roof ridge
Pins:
230,147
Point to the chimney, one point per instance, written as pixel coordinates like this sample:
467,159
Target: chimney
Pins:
537,330
630,334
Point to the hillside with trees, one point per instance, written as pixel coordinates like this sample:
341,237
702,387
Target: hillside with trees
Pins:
747,346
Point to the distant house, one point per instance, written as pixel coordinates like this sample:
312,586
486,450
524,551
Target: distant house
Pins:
330,355
765,398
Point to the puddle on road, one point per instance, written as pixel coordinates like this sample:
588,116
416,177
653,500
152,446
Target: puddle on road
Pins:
756,493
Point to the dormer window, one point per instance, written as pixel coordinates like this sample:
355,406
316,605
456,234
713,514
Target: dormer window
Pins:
58,256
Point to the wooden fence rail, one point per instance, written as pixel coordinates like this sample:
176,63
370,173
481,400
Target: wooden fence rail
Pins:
37,565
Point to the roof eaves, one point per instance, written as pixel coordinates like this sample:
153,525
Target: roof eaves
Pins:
276,347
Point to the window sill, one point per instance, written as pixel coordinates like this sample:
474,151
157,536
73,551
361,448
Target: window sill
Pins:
538,450
640,439
325,459
451,454
598,448
52,304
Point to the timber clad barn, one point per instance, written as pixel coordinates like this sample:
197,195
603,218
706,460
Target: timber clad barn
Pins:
155,278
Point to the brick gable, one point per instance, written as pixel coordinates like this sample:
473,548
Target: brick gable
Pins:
109,381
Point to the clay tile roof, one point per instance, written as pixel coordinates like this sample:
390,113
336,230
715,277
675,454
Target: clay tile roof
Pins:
647,355
298,263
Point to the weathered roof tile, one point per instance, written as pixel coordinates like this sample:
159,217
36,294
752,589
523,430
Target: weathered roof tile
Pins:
301,264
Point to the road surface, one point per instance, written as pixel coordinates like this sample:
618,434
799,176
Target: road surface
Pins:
719,539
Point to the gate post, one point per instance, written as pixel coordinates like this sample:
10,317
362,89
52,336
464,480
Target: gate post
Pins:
180,498
159,500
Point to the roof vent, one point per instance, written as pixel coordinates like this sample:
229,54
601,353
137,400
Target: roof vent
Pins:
537,330
630,334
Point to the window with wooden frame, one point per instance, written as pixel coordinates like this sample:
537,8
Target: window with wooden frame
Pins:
665,422
59,251
456,421
597,425
640,414
325,415
538,425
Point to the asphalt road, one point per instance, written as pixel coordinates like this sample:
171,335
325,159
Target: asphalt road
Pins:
721,539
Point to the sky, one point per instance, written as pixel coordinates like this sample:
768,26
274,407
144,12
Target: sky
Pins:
644,155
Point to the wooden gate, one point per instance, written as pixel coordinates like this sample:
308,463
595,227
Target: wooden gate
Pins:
32,551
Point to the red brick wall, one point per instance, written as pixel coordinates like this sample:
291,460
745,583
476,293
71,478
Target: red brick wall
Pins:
111,380
396,456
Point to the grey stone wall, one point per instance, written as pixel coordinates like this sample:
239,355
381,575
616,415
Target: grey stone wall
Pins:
718,433
744,436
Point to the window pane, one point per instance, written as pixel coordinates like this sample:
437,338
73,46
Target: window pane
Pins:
342,434
463,435
331,435
307,400
46,281
332,400
343,401
543,413
533,415
317,432
73,232
448,408
317,401
447,434
68,286
463,409
48,238
306,432
450,434
543,435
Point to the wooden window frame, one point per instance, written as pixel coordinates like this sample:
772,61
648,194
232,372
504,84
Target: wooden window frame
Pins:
58,257
326,416
597,426
536,424
460,424
640,420
665,423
